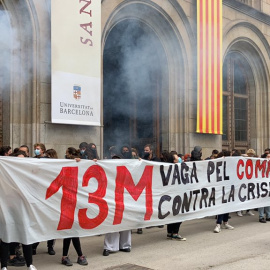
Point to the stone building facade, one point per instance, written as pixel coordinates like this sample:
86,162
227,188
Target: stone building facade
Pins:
149,85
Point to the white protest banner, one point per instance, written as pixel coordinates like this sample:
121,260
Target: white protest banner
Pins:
76,61
43,199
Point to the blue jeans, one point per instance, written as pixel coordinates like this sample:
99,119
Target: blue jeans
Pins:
223,217
263,210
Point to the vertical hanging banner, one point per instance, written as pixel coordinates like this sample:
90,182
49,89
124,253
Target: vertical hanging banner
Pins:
76,61
209,66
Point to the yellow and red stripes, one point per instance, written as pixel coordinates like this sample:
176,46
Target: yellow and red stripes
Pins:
209,66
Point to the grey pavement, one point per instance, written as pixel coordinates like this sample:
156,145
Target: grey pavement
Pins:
246,247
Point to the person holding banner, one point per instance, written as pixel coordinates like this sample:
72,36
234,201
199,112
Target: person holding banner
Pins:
126,152
24,148
5,151
72,153
149,154
173,228
27,249
83,146
118,241
196,153
39,150
250,153
223,217
264,210
91,152
27,252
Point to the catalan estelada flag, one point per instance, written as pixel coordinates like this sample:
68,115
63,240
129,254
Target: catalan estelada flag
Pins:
209,66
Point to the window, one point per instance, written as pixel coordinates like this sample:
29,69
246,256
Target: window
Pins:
235,103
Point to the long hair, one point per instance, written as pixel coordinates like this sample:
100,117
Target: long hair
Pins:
51,153
72,153
91,152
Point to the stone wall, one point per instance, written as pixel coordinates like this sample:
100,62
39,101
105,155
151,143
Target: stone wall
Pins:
30,112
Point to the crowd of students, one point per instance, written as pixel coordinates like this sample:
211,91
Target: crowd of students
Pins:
119,241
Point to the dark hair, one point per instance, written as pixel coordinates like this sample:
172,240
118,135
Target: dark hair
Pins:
4,150
128,154
18,153
171,157
215,152
165,156
91,152
117,157
24,145
220,154
51,153
150,146
236,153
72,153
15,150
83,145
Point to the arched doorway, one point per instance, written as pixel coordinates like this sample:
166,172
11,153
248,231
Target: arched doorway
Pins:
134,65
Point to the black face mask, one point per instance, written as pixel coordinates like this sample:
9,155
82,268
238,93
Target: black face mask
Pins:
146,155
94,152
126,155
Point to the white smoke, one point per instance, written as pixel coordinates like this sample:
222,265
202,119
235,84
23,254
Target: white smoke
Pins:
132,68
5,49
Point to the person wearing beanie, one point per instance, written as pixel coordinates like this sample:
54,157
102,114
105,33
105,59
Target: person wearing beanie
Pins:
196,154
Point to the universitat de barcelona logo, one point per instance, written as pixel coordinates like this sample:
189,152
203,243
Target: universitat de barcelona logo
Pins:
77,91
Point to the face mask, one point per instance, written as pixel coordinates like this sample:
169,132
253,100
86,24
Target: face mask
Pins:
180,160
37,152
82,151
146,155
127,155
93,153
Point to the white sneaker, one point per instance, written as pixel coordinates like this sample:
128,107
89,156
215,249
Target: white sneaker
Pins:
3,268
227,226
239,213
217,229
31,267
250,213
